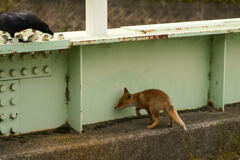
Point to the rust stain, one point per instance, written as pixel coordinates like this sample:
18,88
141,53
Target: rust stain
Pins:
211,104
125,39
67,92
152,37
147,31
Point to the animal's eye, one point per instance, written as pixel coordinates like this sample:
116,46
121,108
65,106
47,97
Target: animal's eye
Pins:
129,97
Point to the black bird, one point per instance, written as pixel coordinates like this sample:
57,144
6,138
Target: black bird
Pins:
13,22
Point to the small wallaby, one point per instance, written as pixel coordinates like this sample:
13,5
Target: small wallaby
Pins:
152,101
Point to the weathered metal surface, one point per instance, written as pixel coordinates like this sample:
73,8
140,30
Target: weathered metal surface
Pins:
42,99
81,84
232,69
158,31
33,86
43,42
33,47
15,66
135,33
180,67
217,71
9,107
75,89
187,26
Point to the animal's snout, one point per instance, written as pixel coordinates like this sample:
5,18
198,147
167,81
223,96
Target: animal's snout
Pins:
117,107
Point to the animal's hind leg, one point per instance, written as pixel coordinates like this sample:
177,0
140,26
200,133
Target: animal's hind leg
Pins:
157,120
150,121
138,112
170,119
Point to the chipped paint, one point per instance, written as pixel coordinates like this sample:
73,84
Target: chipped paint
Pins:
148,31
157,31
131,33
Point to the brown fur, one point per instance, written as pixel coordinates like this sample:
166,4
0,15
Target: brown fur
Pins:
152,101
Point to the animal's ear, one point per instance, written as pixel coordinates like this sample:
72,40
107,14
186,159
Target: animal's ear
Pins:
126,91
129,96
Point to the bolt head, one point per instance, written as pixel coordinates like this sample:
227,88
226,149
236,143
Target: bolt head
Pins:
35,55
35,70
3,58
13,115
2,88
2,103
13,86
61,37
23,56
3,130
13,101
2,116
47,69
13,57
13,73
24,71
13,130
2,74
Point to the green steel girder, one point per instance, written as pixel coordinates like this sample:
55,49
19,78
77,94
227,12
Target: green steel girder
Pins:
79,80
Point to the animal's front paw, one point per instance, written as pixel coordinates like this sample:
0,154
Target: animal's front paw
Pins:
149,121
149,126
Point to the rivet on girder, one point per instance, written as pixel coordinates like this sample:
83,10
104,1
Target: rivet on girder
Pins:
46,69
2,88
35,55
3,58
13,72
46,53
24,56
3,130
24,72
45,37
13,130
35,70
2,117
13,87
13,115
13,57
2,103
2,74
61,37
13,101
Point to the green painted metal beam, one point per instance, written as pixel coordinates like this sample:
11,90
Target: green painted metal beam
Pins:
80,79
34,46
75,88
178,66
232,76
217,71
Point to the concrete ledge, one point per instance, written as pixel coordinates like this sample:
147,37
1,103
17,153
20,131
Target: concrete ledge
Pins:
129,140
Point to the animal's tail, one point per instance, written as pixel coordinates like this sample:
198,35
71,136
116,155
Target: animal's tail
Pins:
174,115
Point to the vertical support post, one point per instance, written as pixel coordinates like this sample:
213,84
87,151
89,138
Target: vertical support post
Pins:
75,88
96,17
217,71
